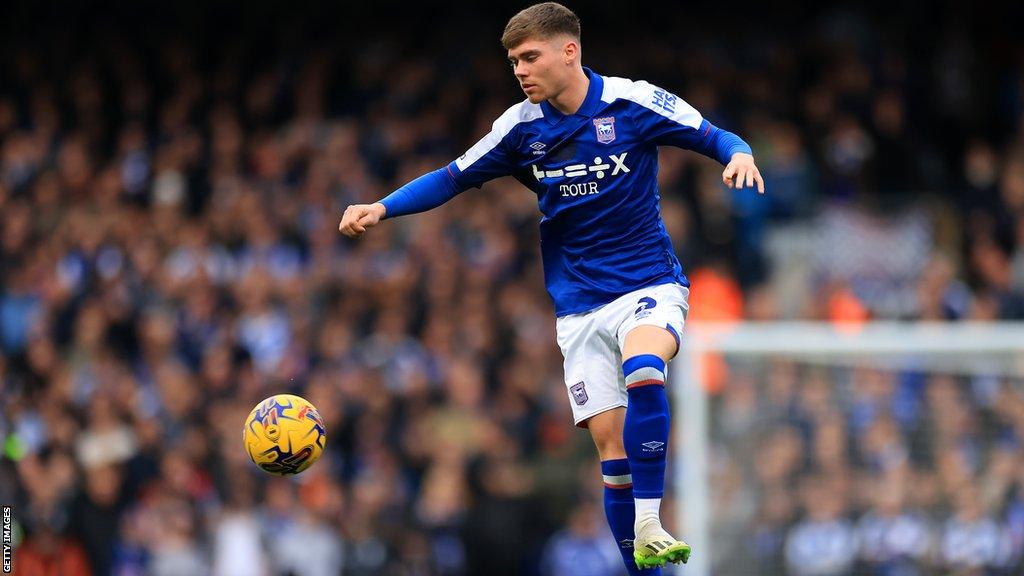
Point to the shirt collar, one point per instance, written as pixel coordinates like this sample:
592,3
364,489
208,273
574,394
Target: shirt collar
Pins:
590,103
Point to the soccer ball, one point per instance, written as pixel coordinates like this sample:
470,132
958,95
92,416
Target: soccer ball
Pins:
284,434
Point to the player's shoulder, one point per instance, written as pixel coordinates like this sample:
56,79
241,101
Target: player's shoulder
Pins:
650,96
519,113
616,88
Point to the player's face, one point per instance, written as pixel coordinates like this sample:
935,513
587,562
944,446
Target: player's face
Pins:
540,68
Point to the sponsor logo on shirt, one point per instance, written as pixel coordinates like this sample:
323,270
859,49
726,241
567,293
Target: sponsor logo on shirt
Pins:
598,168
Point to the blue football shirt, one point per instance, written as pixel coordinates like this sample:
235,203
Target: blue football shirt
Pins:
595,174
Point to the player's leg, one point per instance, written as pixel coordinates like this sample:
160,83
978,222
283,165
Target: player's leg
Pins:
606,430
649,338
646,352
594,385
619,509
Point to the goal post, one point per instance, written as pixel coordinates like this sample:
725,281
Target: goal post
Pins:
962,347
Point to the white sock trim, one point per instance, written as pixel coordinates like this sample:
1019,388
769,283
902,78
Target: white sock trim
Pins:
646,373
618,481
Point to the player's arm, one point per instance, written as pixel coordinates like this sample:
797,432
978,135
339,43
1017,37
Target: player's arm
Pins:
487,159
428,191
731,150
667,119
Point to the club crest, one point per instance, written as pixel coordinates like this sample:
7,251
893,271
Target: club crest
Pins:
579,393
605,128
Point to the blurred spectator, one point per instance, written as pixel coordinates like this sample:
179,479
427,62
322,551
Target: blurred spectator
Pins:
174,546
824,542
583,548
973,540
96,513
48,554
892,539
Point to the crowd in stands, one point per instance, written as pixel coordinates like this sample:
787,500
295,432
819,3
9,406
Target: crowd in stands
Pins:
170,189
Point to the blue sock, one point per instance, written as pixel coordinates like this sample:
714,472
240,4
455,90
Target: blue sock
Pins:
645,431
620,511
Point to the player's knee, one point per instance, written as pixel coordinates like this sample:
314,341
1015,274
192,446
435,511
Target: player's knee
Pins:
656,340
611,450
606,430
609,444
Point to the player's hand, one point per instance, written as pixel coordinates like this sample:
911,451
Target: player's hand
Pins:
741,169
359,217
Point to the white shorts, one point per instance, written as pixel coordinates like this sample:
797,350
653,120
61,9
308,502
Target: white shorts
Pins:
591,344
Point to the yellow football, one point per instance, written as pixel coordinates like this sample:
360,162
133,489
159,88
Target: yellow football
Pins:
284,434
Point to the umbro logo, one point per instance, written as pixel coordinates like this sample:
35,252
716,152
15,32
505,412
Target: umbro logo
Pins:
538,145
625,543
652,446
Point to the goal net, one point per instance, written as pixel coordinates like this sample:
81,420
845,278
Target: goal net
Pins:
881,448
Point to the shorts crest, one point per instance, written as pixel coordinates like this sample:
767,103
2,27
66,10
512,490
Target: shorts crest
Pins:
579,393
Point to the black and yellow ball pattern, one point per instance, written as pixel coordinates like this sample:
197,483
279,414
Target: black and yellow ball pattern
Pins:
284,434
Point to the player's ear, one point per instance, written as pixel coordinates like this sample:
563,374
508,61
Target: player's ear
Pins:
571,50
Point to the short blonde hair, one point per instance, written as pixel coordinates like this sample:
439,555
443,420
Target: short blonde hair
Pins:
541,21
